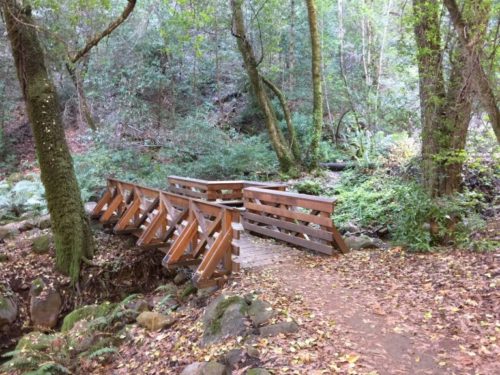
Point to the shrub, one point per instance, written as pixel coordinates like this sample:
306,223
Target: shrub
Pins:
414,219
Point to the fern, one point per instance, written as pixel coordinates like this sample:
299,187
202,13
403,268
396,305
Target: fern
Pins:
49,369
103,352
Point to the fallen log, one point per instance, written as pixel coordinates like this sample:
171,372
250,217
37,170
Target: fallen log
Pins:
337,167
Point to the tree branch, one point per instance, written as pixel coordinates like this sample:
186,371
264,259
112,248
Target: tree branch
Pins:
94,41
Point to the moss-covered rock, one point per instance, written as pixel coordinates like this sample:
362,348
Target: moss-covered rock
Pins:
41,244
88,312
35,341
225,317
8,306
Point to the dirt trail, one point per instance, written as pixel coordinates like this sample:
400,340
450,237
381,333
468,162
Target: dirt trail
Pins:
404,313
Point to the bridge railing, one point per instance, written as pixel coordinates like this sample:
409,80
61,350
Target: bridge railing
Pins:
222,191
300,219
191,231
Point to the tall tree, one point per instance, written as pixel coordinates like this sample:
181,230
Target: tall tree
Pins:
70,225
471,38
317,127
445,105
288,162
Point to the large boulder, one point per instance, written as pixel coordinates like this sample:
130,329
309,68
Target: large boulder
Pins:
45,305
205,368
258,371
260,312
154,321
225,317
8,307
276,329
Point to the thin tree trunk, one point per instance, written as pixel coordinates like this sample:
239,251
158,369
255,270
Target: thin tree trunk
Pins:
291,48
83,106
381,54
288,163
294,145
317,127
70,225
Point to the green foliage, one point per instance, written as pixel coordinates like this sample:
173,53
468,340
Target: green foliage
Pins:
103,353
86,312
414,219
17,198
309,187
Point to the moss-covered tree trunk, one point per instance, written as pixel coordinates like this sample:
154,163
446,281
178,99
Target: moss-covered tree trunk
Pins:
288,163
317,127
445,106
70,225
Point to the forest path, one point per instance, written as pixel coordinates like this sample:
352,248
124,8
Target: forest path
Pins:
400,313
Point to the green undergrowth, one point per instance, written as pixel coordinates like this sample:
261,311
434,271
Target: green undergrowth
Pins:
413,219
197,149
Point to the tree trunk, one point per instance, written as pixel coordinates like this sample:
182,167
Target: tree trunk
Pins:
83,106
291,47
287,162
445,116
294,144
70,225
317,127
472,45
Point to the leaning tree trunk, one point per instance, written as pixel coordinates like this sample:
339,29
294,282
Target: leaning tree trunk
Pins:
317,127
70,225
288,163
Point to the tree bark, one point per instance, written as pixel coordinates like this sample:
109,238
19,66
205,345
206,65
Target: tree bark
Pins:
294,145
471,50
445,115
287,162
317,127
70,225
83,106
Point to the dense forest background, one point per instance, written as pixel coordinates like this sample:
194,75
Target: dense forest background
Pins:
167,93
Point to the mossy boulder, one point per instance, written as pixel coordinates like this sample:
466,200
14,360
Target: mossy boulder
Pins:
205,368
154,321
35,341
88,312
225,317
8,307
260,312
41,244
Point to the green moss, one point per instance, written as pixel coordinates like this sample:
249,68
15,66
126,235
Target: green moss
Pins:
86,312
41,244
35,341
215,326
37,286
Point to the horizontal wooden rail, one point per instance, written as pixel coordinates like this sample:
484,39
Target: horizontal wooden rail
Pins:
191,231
215,190
299,219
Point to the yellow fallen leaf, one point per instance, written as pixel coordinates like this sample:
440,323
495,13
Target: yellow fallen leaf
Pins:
352,358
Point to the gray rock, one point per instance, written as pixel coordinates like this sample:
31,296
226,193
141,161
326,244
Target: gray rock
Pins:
8,231
181,278
89,207
45,305
225,317
260,312
258,371
360,242
205,368
154,321
232,357
276,329
252,351
8,307
41,244
206,292
43,222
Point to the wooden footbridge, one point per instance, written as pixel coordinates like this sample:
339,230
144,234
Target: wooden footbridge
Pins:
200,223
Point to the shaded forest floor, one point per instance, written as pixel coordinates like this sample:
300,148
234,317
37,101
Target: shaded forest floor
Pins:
369,312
